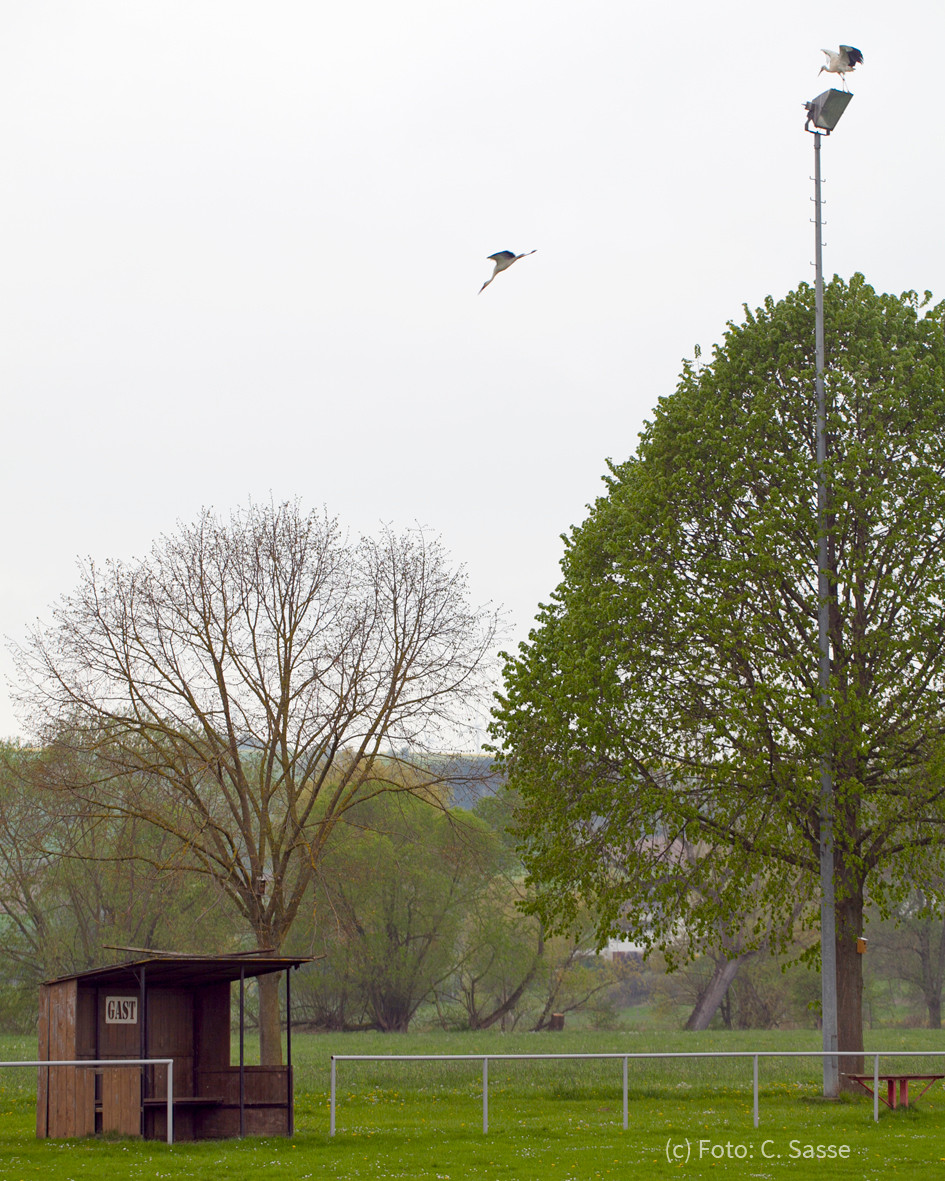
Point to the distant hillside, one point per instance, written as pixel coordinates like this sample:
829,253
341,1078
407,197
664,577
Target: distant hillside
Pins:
470,776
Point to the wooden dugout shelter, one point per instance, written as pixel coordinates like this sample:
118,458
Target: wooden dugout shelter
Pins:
166,1006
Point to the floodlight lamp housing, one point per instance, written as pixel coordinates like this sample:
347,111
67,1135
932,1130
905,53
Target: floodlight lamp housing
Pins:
825,110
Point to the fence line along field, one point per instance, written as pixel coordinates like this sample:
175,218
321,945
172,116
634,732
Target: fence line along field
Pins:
559,1119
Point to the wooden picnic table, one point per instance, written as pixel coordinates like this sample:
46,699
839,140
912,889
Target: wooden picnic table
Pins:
896,1098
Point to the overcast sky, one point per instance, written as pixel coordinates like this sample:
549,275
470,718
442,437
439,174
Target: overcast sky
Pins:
242,245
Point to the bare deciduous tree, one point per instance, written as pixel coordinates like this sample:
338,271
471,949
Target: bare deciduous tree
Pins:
258,677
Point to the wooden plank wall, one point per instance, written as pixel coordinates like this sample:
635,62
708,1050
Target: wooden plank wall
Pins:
65,1094
42,1085
212,1027
116,1041
220,1123
86,1042
267,1099
264,1084
171,1035
121,1100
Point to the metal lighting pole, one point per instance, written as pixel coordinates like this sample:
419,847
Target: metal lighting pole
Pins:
828,929
824,112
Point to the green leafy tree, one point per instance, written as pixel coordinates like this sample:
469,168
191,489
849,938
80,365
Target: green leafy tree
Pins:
500,957
669,690
75,885
571,979
501,947
392,895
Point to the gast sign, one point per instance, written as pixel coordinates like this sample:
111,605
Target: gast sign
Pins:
121,1010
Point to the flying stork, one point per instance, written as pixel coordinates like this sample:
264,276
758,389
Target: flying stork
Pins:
842,62
503,260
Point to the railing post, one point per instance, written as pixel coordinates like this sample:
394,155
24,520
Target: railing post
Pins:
755,1087
331,1118
625,1113
170,1101
485,1095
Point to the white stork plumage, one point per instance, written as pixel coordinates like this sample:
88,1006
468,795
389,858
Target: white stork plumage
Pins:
842,62
503,260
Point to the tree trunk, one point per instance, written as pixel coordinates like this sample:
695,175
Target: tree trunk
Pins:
711,996
933,968
270,1021
502,1010
849,919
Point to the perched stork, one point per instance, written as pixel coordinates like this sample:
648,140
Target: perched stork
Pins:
841,62
503,260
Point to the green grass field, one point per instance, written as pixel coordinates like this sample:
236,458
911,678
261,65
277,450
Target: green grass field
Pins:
558,1120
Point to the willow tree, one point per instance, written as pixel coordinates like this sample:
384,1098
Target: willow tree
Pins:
667,697
74,883
248,684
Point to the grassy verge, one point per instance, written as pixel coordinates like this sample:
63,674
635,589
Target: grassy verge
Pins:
559,1120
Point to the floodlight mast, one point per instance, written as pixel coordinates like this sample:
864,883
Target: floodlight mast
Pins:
824,112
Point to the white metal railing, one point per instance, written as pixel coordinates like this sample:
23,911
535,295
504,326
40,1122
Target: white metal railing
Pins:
625,1058
168,1062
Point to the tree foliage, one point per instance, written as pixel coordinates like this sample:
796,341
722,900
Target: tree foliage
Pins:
393,893
669,691
416,906
248,682
75,885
